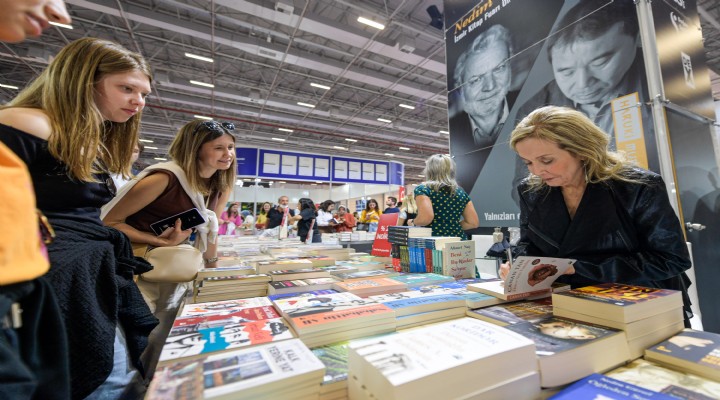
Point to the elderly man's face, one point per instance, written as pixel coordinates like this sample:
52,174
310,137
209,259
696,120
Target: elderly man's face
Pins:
588,71
486,81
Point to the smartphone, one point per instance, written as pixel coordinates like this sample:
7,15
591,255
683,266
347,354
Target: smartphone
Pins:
189,219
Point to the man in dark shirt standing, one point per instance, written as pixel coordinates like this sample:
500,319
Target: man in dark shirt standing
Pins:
391,204
275,215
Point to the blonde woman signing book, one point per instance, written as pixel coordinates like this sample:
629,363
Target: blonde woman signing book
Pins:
442,205
200,175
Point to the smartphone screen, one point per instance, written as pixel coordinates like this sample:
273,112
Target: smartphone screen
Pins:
189,219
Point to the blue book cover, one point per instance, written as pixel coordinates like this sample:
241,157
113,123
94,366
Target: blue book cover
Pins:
598,386
424,303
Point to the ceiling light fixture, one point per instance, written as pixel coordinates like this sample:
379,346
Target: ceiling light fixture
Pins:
278,139
445,132
151,148
203,117
340,147
350,140
390,154
384,120
369,22
160,159
420,175
9,86
197,57
145,140
403,148
409,107
286,130
300,103
66,26
210,85
319,86
281,182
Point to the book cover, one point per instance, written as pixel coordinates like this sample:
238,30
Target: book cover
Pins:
223,307
220,280
312,293
263,267
569,350
694,351
514,313
374,285
422,279
459,259
420,363
619,302
247,373
528,276
301,305
378,273
413,305
229,316
350,314
596,386
304,273
655,377
459,288
192,340
335,358
231,270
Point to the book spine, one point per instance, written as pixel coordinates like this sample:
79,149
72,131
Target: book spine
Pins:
519,296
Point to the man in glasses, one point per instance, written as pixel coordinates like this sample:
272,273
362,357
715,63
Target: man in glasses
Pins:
483,77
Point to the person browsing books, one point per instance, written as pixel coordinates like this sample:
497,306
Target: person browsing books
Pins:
201,175
442,205
345,221
230,220
261,221
325,218
275,215
73,126
371,215
306,222
408,210
585,202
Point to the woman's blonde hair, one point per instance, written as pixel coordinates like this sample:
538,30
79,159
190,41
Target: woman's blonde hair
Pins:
409,204
185,150
440,173
65,91
574,132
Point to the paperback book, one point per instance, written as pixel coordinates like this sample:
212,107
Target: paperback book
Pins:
596,386
514,313
618,302
203,338
680,384
697,352
255,372
569,350
528,276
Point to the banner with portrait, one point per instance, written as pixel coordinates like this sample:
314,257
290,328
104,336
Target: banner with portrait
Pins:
507,58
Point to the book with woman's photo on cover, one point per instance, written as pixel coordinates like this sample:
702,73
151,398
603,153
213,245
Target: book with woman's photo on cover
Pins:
527,277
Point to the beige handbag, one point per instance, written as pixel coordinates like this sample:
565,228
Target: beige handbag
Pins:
179,263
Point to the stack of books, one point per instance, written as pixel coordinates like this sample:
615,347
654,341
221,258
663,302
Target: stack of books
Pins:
426,253
568,350
514,313
215,284
370,287
367,274
398,237
206,328
324,319
335,358
697,352
264,267
304,273
415,308
301,285
282,370
459,359
459,287
655,377
647,315
413,280
363,265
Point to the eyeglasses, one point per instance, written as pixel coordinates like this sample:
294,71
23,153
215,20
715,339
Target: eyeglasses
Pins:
216,127
47,233
491,75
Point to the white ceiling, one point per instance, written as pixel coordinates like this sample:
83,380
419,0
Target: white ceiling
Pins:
266,55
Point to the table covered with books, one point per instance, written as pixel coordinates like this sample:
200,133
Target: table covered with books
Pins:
351,325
